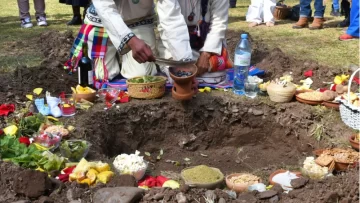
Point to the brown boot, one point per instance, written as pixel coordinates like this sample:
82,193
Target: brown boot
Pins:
302,23
318,23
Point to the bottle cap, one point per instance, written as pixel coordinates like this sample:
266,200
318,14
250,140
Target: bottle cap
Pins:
244,36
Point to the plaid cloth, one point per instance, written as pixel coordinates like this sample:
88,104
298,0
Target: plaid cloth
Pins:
100,39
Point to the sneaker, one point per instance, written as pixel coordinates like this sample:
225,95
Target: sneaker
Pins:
26,23
41,21
335,13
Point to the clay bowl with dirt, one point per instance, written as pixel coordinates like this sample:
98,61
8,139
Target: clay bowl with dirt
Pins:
331,105
88,97
241,186
211,185
297,173
353,143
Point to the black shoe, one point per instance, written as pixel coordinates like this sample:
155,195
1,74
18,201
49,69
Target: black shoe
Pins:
345,23
76,20
335,13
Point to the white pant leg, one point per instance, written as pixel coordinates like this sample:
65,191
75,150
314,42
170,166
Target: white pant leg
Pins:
255,10
111,62
268,9
130,67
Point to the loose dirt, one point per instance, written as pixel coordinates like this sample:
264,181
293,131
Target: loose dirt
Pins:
218,129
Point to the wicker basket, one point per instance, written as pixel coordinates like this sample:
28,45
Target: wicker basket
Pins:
281,13
150,90
350,114
280,94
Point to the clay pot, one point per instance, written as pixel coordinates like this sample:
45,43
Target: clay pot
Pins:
238,187
183,86
88,97
331,105
210,186
297,173
353,143
339,166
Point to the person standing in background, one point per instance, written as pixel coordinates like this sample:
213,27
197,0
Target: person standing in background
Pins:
76,4
353,29
305,14
24,13
261,11
335,11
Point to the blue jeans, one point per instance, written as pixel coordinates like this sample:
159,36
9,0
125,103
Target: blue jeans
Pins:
305,8
336,5
353,29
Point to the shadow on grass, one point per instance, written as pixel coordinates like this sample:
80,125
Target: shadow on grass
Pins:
233,19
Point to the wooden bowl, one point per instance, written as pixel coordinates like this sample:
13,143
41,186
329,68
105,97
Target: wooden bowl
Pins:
238,187
331,105
210,186
353,143
88,97
297,173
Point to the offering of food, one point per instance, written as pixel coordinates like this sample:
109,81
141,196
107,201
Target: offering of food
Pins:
313,170
82,90
342,155
324,160
245,178
48,140
91,172
201,174
329,95
146,79
311,96
183,74
354,99
132,164
57,129
74,150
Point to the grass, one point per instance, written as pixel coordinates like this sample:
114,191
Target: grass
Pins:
320,45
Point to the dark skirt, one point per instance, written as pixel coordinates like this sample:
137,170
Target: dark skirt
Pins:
81,3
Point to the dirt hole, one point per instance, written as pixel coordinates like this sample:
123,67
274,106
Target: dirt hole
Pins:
240,136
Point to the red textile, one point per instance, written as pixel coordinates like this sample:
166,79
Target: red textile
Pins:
6,109
357,80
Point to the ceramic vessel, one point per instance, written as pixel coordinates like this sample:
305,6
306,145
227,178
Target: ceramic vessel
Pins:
210,186
88,97
238,187
353,143
297,173
183,86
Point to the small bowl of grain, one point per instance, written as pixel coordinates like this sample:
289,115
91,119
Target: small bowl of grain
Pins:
310,97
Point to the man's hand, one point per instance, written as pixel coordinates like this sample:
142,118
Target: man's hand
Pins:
140,50
203,63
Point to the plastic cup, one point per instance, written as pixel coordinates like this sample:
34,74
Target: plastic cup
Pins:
67,105
251,89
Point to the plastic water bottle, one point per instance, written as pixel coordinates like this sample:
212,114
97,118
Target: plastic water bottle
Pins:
241,64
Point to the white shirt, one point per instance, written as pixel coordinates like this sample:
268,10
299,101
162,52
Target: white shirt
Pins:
171,28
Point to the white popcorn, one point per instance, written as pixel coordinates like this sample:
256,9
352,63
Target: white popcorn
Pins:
128,164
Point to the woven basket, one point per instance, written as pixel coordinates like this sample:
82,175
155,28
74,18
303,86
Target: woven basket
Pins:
350,114
150,90
280,94
281,13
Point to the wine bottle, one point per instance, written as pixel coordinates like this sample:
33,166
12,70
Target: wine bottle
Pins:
85,70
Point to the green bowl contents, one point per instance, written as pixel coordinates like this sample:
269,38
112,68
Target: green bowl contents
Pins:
74,150
201,174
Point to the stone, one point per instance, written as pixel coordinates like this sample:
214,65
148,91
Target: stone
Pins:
299,182
22,201
33,187
70,195
158,196
346,200
331,197
278,189
257,112
75,201
181,198
222,200
210,194
184,188
246,198
118,195
267,194
274,199
45,199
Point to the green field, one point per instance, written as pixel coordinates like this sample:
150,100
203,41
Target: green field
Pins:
320,45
